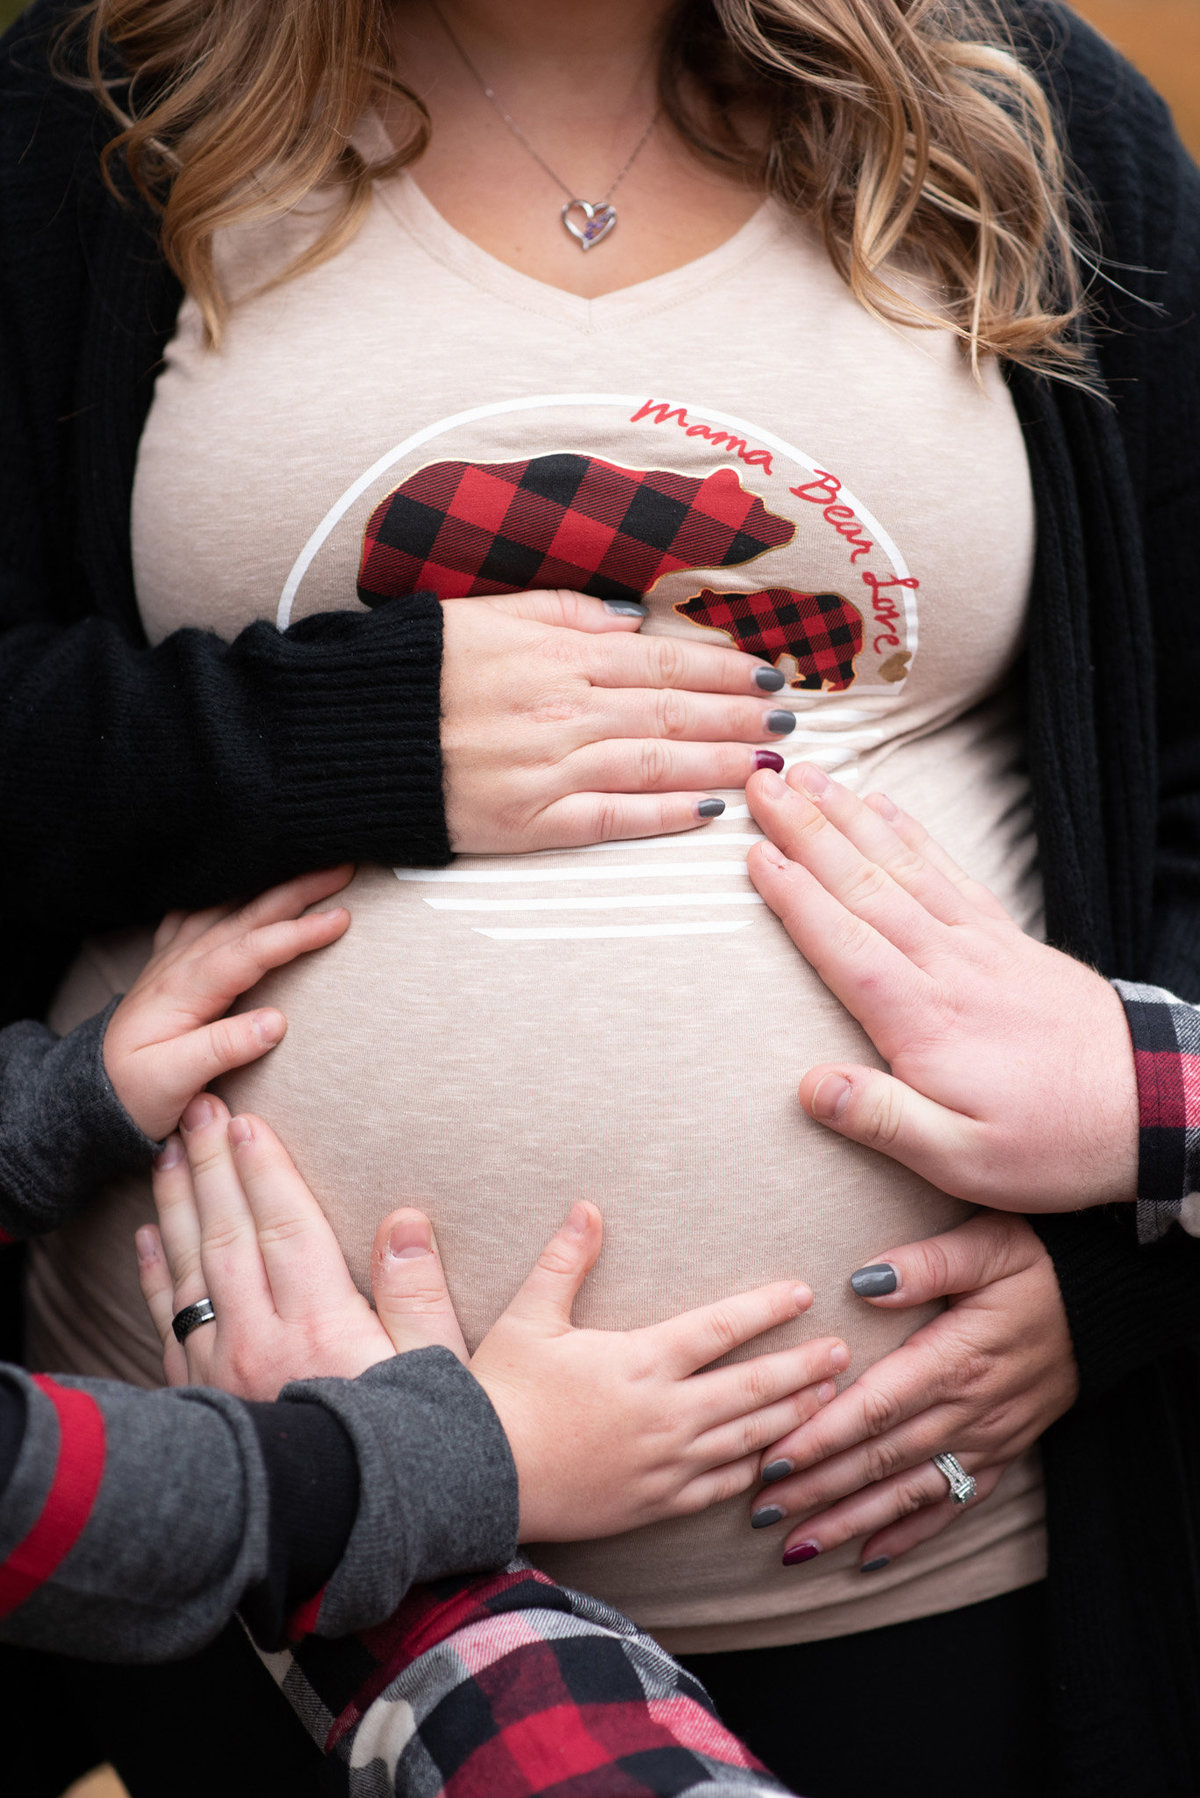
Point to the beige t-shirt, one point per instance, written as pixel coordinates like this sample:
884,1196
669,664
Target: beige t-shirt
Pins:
739,441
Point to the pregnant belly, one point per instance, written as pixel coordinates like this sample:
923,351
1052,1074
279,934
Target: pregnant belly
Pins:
493,1078
494,1082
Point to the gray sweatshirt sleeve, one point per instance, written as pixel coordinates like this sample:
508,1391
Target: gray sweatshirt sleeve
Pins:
133,1523
63,1130
444,1503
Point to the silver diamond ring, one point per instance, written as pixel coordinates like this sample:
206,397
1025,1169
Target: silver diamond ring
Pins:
962,1484
191,1317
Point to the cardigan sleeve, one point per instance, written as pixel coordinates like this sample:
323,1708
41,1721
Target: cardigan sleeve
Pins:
1131,1303
135,779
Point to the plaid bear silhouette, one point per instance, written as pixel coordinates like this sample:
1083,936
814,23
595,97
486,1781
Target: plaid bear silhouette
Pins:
467,528
823,631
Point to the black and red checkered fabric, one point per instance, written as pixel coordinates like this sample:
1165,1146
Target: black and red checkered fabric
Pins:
823,631
1166,1054
510,1686
460,529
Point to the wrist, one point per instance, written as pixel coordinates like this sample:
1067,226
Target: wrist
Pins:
142,1108
1117,1110
438,1489
536,1521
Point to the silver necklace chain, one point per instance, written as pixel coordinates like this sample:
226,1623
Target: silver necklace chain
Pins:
599,215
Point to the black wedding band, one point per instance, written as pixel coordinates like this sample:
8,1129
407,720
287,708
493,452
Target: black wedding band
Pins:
191,1317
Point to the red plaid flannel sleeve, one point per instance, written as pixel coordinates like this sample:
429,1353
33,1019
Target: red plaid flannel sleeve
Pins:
1166,1050
510,1686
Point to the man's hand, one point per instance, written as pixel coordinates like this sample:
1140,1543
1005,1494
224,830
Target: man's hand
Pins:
1012,1077
238,1225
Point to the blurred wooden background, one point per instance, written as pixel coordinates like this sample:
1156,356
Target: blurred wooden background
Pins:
1163,38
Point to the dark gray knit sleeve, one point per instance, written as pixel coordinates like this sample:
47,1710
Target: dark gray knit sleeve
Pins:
437,1481
63,1130
132,1522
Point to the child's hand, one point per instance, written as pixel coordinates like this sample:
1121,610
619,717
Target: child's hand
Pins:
239,1227
614,1429
168,1038
609,1429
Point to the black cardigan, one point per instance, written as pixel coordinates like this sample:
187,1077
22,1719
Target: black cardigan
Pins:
134,779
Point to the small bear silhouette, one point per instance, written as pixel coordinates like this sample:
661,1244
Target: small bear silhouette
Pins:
822,631
467,528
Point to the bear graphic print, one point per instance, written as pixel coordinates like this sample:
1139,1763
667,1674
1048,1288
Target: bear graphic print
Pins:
460,529
717,528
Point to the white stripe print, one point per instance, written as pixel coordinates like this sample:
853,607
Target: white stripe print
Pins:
577,932
619,871
623,902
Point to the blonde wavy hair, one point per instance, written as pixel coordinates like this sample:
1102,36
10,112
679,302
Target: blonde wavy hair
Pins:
905,129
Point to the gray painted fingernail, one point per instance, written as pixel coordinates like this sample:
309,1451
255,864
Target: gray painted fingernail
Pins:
768,679
775,1470
762,1520
710,808
626,608
877,1565
781,724
875,1282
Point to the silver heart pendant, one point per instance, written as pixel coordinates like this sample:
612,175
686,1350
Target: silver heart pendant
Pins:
598,221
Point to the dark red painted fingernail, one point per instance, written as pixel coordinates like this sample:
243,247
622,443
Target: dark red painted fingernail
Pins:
803,1551
767,758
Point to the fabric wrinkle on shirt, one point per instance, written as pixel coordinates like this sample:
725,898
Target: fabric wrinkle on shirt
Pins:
742,443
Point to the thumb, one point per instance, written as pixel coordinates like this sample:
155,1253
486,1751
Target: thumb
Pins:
548,1294
985,1249
574,611
879,1111
409,1286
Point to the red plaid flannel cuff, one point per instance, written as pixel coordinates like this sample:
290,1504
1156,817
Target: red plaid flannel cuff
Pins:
1166,1051
513,1686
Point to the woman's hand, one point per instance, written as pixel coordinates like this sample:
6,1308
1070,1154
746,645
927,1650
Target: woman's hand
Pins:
168,1037
561,726
609,1429
1012,1077
982,1381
